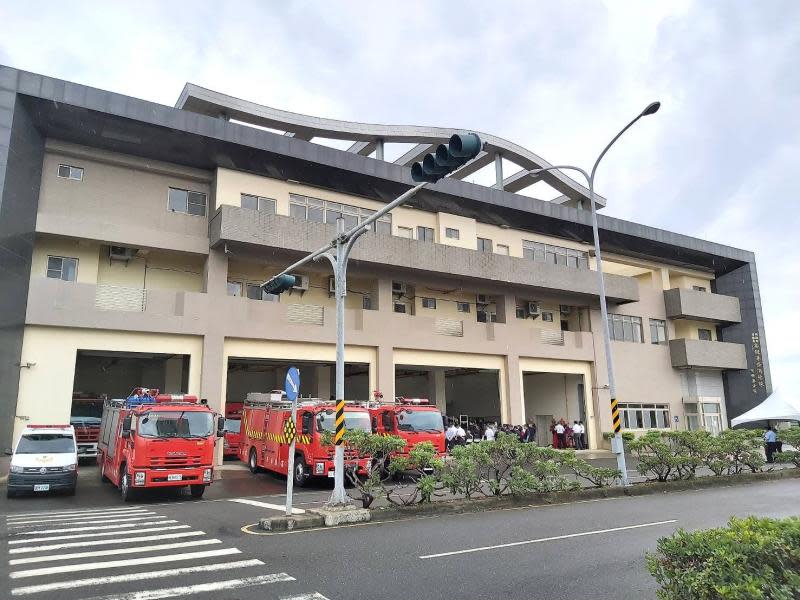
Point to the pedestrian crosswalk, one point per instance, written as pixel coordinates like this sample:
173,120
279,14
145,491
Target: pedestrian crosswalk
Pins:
129,553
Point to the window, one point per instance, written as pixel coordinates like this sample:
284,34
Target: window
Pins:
625,328
658,331
484,245
502,249
258,203
521,313
187,201
698,288
483,316
234,288
324,211
256,292
547,316
452,233
703,415
425,234
366,302
555,255
704,334
405,232
429,303
60,267
644,416
462,307
70,172
400,307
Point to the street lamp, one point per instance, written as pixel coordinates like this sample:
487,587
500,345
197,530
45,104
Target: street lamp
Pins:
612,387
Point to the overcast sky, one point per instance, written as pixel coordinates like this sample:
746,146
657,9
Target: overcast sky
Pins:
718,161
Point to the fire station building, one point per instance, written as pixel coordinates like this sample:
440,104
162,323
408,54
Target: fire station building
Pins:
134,237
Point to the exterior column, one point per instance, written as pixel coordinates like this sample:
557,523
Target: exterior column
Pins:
215,273
379,149
384,296
385,379
515,398
506,308
498,171
436,389
322,380
173,376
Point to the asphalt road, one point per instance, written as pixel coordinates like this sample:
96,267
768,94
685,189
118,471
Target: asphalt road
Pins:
201,549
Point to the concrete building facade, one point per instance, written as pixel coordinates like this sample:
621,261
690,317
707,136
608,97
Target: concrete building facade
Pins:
133,237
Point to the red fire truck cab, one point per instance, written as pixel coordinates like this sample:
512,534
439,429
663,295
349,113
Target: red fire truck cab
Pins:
264,445
412,419
233,429
157,440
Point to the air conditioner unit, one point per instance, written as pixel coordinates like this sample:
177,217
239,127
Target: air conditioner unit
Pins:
565,309
398,287
481,299
300,282
121,253
532,308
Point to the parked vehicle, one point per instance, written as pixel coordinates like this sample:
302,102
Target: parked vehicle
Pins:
412,419
264,445
233,429
45,459
158,440
87,409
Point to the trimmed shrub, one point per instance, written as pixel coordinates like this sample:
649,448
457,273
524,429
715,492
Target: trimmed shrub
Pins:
790,436
750,559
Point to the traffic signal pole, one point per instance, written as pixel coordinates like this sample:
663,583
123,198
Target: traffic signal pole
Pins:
462,149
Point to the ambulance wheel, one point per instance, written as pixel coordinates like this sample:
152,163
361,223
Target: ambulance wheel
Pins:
11,493
197,490
252,461
125,489
301,474
70,491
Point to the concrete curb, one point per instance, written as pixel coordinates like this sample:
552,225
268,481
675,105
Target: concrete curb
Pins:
452,507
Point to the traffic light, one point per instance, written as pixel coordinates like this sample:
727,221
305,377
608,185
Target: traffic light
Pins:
279,285
463,147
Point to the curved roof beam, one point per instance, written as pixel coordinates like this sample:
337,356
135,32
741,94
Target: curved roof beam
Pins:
365,135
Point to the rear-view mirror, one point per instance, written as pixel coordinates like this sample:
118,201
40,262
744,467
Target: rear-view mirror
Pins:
8,452
220,426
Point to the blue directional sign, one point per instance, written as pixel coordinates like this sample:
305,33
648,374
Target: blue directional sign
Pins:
292,386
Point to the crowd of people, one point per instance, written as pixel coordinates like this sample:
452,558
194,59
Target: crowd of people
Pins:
564,434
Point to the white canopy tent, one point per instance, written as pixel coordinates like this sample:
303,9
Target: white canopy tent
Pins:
777,407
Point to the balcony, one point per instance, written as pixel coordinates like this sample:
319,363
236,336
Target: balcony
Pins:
685,353
257,229
701,306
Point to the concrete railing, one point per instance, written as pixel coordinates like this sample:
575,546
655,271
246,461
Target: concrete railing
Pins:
681,303
685,353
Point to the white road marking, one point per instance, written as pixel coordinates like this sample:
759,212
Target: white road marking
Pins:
91,525
129,562
548,539
122,540
214,586
52,557
295,511
143,576
110,518
133,530
72,512
312,596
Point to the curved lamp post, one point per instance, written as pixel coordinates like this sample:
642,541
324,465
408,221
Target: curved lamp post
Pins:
618,445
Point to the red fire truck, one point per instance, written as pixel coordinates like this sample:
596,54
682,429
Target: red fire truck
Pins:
412,419
157,440
264,444
87,408
233,429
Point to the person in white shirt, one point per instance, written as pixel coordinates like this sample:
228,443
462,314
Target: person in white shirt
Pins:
450,435
489,433
560,433
577,435
461,435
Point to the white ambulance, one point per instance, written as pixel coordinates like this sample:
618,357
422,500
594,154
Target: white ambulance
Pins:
45,459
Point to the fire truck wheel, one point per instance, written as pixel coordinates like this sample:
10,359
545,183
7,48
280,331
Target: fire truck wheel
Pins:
125,489
197,490
301,475
252,461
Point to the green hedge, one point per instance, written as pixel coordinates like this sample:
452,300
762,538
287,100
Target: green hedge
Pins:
750,559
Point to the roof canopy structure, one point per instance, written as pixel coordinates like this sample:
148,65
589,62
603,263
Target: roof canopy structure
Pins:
777,407
369,138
